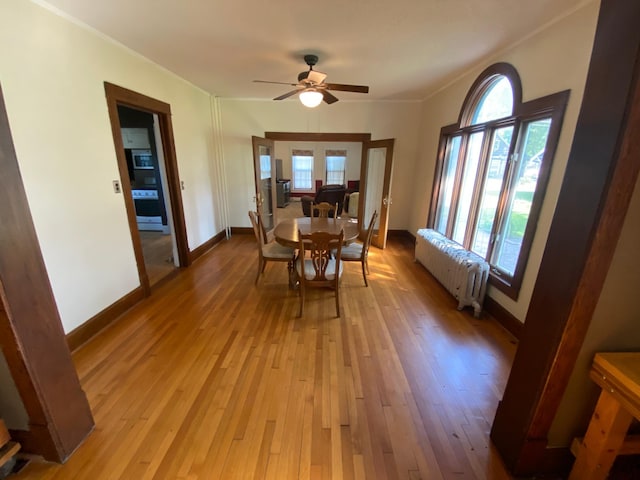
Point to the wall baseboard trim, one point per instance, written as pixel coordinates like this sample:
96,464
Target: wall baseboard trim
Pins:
206,246
242,230
80,335
404,234
504,318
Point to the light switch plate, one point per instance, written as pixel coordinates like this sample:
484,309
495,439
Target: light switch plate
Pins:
116,186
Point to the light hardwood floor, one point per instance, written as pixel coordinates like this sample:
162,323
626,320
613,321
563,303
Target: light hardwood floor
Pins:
215,378
157,249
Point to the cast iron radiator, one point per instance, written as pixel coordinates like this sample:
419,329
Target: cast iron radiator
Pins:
463,273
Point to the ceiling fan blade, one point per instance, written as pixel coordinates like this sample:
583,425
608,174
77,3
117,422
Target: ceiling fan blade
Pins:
328,97
347,88
277,83
287,95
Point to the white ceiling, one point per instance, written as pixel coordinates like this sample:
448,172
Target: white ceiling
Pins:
402,49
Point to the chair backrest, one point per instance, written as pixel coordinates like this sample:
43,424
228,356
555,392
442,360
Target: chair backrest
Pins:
320,246
255,223
367,239
323,209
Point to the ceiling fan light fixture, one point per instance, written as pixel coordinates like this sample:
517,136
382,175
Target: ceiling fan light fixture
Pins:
311,97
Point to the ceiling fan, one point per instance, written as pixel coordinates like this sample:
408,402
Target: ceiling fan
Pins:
312,87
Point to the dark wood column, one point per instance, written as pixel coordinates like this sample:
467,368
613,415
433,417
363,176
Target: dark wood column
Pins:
600,177
31,334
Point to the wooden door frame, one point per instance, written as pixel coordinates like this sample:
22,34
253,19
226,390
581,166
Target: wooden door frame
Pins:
326,137
256,143
117,95
383,214
31,334
599,179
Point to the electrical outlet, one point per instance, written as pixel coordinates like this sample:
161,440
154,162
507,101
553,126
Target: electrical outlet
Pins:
116,186
182,184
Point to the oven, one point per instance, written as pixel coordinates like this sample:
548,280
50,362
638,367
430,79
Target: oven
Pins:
148,209
142,159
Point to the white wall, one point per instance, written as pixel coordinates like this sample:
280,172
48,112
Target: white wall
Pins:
53,73
553,60
244,118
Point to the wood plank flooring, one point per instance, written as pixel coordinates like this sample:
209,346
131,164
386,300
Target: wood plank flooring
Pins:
215,378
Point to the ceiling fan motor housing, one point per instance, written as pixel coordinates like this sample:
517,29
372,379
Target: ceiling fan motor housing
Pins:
310,60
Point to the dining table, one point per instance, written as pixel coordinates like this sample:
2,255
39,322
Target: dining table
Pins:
286,231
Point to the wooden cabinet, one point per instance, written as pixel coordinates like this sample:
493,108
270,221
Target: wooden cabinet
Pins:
283,190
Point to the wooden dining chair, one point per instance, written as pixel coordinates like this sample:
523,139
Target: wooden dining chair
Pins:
268,251
320,268
324,210
359,252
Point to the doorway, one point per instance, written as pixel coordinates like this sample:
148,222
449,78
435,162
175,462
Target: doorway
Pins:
143,139
147,178
375,174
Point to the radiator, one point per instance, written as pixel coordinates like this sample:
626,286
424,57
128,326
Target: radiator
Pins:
463,273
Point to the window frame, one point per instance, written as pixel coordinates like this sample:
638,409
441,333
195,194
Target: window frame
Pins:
551,106
306,153
334,153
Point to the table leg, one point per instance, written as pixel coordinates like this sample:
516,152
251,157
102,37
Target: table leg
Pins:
605,435
291,267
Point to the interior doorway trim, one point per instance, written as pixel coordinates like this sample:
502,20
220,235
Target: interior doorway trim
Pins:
117,95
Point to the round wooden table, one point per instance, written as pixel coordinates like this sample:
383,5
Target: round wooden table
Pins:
286,231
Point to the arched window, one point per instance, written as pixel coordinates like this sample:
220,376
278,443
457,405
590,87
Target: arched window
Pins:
492,172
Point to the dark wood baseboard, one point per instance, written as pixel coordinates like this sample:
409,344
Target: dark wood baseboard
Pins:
242,230
504,318
556,461
206,246
404,234
80,335
86,331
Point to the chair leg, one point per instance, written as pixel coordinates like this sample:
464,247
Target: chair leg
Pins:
364,274
337,301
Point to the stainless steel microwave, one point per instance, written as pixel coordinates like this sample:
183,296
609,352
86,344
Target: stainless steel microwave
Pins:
142,159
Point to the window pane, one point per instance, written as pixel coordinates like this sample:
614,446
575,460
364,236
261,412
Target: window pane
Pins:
302,167
265,166
491,189
496,102
468,185
335,169
525,181
446,184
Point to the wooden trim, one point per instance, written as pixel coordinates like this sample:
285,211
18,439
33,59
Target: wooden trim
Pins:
503,317
115,96
599,179
206,246
317,137
242,230
79,336
480,85
404,234
31,333
102,320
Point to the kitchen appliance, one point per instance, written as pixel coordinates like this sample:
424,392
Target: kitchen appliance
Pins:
148,210
142,159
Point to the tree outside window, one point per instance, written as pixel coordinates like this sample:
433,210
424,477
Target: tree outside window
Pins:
492,172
